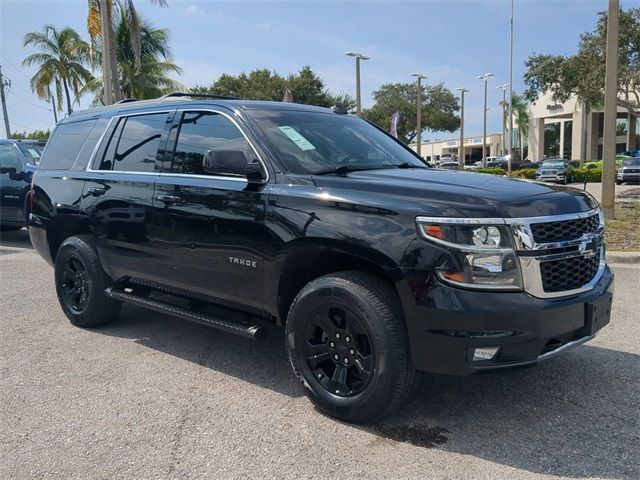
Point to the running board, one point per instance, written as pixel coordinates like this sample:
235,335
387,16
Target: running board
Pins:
238,327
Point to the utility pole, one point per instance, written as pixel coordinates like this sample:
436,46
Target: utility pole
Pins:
461,146
107,81
358,57
53,103
419,76
486,78
610,111
5,83
509,144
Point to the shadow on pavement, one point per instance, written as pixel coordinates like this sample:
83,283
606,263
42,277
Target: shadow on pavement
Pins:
15,239
576,416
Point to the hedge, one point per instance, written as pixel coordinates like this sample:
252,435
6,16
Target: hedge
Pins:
591,175
579,174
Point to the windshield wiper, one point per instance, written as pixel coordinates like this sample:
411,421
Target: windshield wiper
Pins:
407,165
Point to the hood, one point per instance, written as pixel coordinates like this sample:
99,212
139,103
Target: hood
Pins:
472,194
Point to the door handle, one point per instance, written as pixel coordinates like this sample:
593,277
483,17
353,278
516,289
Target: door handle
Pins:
96,191
168,198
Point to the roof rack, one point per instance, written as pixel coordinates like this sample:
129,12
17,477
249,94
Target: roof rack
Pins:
198,95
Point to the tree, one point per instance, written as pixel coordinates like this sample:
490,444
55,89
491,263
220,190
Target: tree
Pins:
61,61
263,84
135,29
439,107
35,135
152,78
583,74
520,110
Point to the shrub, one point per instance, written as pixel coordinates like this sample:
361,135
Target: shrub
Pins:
590,174
529,173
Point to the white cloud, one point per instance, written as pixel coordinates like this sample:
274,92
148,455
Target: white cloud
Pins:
193,11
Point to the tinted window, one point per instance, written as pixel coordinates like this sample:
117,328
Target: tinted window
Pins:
133,146
65,144
8,157
631,162
202,133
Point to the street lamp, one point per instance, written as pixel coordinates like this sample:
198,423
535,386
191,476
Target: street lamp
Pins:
504,114
461,146
358,57
484,77
419,76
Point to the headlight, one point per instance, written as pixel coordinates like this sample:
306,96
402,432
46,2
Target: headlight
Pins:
484,257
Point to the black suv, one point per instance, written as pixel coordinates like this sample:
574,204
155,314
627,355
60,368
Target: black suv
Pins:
237,214
18,161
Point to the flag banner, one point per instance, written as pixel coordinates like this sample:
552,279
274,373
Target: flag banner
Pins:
395,118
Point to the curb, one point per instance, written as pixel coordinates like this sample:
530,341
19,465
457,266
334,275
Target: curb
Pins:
623,257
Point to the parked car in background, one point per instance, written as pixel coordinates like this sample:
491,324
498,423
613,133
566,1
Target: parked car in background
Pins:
503,162
449,165
632,153
555,170
629,171
599,163
18,160
447,157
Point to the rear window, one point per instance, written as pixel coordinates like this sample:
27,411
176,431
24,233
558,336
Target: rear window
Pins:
65,144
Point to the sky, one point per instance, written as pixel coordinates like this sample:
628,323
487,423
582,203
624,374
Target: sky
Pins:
450,41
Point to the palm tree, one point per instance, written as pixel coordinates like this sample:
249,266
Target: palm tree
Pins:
520,115
148,76
61,61
152,78
135,28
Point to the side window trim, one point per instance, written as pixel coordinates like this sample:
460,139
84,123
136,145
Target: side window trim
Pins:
173,138
103,142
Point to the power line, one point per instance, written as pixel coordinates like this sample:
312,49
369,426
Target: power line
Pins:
19,125
29,116
16,68
30,102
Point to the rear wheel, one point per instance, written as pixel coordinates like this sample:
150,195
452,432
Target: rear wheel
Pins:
347,345
80,284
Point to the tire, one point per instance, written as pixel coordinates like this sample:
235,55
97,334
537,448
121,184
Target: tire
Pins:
618,182
80,284
378,376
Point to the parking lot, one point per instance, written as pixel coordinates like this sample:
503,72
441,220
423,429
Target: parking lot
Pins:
155,397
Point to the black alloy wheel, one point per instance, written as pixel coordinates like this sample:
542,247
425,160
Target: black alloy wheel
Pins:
339,351
75,284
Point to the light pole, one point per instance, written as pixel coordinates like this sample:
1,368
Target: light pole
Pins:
509,144
461,146
419,76
484,77
504,114
358,57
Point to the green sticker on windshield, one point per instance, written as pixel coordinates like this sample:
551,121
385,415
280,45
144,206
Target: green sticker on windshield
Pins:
295,137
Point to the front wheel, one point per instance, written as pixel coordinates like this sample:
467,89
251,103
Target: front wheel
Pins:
81,284
347,345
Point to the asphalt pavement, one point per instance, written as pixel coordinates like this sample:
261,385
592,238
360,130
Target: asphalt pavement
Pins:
151,396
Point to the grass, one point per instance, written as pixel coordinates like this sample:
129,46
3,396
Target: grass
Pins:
623,233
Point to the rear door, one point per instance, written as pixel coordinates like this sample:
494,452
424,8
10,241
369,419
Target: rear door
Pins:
209,227
11,186
118,191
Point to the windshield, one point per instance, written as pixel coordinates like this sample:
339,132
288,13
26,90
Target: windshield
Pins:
310,142
631,162
33,151
553,163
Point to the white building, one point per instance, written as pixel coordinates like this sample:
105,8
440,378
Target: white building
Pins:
578,132
432,151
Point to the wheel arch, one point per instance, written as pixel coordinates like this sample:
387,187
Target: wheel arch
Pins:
305,259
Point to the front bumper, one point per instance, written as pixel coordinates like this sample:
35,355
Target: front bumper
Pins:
628,177
551,178
446,324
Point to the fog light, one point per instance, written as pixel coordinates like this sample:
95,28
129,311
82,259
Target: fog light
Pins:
485,353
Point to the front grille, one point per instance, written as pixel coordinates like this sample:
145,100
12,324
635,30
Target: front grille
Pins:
549,172
564,230
568,273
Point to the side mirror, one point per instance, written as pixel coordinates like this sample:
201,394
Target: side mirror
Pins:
9,170
231,162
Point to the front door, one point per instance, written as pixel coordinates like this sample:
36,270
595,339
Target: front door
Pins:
208,227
